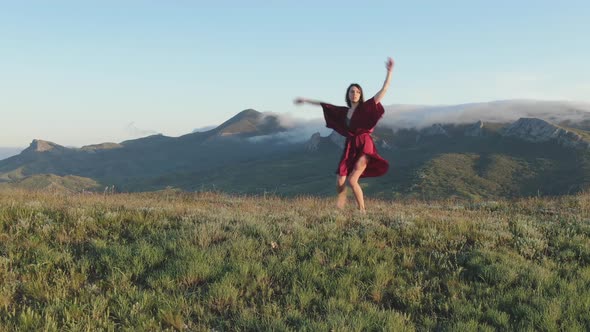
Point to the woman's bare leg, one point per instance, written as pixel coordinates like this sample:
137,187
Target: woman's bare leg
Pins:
353,181
341,190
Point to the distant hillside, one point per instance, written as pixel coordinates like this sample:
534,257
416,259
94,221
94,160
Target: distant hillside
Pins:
435,167
474,160
50,182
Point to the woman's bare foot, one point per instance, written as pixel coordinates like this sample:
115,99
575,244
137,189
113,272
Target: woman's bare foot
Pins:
341,202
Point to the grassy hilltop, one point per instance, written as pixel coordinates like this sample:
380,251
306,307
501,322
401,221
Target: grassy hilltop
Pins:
198,262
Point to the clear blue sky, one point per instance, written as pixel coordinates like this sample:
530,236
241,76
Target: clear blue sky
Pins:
81,72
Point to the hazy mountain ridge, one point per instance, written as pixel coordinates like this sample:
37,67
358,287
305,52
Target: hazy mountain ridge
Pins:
143,158
251,153
7,152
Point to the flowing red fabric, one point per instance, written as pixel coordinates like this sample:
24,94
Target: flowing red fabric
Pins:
358,136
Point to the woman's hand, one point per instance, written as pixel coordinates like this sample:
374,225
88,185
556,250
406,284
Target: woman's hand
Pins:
298,101
301,101
389,64
379,96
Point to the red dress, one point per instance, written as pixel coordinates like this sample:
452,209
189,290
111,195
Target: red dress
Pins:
358,136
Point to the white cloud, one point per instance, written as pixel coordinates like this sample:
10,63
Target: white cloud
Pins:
134,131
299,130
420,116
404,116
203,129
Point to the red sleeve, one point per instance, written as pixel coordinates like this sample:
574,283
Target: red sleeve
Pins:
372,112
335,118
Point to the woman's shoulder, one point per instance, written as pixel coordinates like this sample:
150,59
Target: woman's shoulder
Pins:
369,103
334,107
369,106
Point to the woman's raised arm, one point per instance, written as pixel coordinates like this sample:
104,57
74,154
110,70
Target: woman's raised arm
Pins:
379,96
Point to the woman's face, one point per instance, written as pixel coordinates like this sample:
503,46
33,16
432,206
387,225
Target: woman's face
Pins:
354,94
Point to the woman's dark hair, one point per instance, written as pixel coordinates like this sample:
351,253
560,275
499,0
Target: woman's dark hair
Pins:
361,100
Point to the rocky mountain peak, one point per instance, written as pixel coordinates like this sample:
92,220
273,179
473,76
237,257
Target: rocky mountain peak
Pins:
537,130
43,146
247,114
249,123
533,130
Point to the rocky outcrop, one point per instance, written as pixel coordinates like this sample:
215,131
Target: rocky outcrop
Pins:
316,140
101,146
337,139
537,130
475,130
384,145
43,146
313,143
434,130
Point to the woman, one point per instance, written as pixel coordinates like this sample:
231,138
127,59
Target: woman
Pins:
356,122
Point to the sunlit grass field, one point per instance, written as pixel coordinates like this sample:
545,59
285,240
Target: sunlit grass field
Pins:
214,262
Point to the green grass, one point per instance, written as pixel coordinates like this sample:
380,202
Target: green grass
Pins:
202,262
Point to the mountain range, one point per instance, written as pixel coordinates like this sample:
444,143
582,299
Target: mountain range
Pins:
474,151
